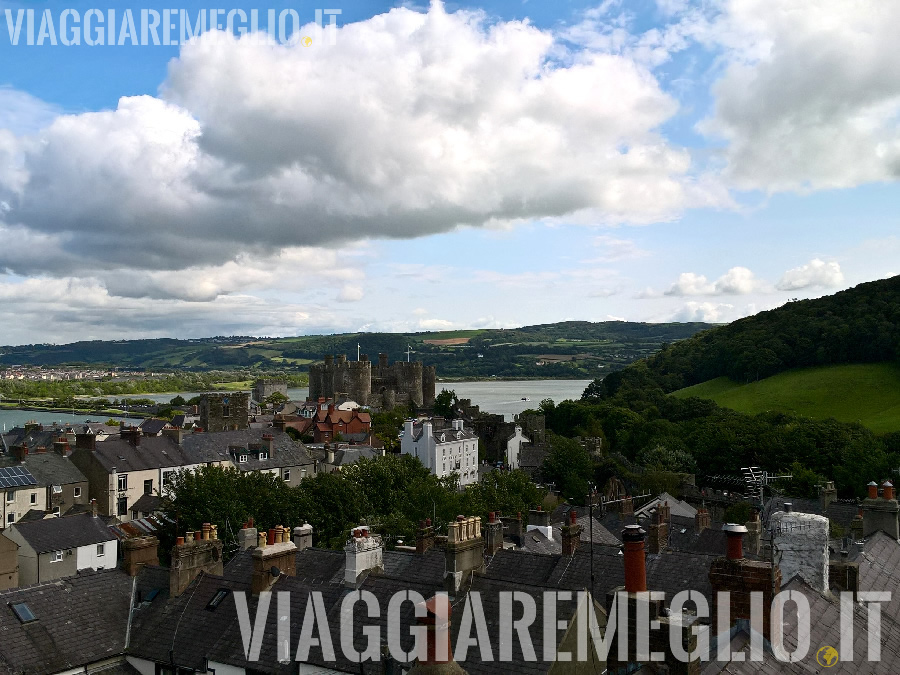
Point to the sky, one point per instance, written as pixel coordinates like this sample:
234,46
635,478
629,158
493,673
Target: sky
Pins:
438,166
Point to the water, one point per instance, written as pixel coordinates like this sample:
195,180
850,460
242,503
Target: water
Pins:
498,397
17,418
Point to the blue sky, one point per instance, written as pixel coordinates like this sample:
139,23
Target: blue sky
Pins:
444,166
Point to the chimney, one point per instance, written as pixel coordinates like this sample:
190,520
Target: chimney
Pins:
465,552
364,553
94,508
856,526
735,536
701,520
658,531
19,452
424,536
513,526
742,577
190,556
436,655
754,530
540,520
571,534
177,435
665,512
493,534
268,441
130,434
635,565
247,536
86,441
139,552
881,513
61,446
829,494
303,536
329,451
844,575
278,558
627,506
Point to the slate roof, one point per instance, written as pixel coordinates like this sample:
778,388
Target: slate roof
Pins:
879,570
54,534
841,512
147,503
154,452
286,452
152,426
49,468
676,507
79,620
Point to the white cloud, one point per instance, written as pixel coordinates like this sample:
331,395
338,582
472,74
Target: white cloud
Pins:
816,273
709,312
613,249
810,95
350,293
736,281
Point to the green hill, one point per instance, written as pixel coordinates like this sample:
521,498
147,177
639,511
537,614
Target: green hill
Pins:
866,393
570,349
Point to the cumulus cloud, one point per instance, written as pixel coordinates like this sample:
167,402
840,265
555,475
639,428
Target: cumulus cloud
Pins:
736,281
709,312
810,95
816,273
413,123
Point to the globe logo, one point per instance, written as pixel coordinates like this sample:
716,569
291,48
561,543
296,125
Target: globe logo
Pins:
306,41
827,656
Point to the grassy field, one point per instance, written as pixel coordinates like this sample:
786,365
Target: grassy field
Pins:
867,393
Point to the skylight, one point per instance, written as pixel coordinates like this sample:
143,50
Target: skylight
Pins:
23,612
217,598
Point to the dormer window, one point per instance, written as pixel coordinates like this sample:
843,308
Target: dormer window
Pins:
263,454
242,459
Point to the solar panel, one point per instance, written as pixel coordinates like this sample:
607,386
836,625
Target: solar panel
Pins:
23,612
15,476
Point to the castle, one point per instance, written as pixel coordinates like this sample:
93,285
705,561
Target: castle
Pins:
381,386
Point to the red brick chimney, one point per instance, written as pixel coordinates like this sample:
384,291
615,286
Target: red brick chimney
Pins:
571,534
86,441
701,520
139,552
436,654
635,564
493,534
19,452
658,537
887,490
424,536
873,490
741,577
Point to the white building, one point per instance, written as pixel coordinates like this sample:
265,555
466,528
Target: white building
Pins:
444,450
514,447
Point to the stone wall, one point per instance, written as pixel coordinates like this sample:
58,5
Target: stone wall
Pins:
383,385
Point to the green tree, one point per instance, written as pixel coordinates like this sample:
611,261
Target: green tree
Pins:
569,466
445,403
178,401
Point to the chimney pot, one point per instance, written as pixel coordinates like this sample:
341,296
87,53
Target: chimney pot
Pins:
788,507
270,540
635,565
873,490
179,541
572,516
888,490
735,533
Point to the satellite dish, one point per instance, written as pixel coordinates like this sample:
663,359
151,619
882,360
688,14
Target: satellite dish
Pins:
275,572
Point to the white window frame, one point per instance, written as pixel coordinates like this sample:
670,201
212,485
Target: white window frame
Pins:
10,498
286,474
101,550
32,498
263,454
242,459
122,480
10,517
76,492
57,512
56,556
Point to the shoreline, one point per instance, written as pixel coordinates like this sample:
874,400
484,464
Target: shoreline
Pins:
78,411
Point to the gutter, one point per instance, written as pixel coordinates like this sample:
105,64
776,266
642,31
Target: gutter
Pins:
130,613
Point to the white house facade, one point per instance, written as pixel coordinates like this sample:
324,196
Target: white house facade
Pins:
444,450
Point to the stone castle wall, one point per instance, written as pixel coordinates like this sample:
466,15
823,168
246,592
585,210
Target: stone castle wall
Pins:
383,385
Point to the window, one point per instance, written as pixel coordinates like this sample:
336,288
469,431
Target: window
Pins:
263,454
33,498
242,459
148,487
217,599
226,411
168,477
10,517
56,511
101,550
122,505
56,556
77,492
287,475
10,495
23,612
57,489
302,473
123,482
